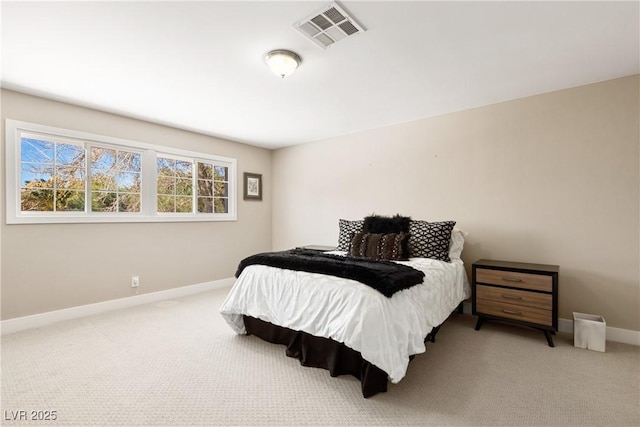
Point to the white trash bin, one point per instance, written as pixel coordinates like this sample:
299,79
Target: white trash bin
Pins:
589,331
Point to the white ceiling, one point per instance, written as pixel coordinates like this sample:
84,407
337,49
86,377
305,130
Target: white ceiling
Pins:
199,65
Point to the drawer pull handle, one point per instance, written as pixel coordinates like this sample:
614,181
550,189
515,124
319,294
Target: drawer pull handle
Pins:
511,297
511,279
519,313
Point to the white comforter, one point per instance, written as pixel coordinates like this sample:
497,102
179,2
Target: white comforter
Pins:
386,331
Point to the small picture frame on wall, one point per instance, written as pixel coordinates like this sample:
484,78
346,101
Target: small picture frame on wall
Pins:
252,186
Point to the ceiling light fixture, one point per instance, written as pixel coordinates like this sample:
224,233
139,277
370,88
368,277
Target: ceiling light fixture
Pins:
282,62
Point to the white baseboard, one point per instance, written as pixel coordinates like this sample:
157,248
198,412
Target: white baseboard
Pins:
625,336
38,320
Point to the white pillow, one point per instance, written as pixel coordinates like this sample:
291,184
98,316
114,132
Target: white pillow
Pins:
457,243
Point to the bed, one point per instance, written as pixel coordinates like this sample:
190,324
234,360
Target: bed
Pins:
343,325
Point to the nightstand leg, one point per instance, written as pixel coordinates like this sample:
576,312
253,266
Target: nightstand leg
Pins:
479,322
547,334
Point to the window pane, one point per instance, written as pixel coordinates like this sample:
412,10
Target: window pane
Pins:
68,154
34,174
166,166
36,151
221,205
205,187
205,171
184,204
221,173
166,203
184,169
184,187
221,188
205,204
166,185
32,199
128,161
70,177
103,201
102,181
69,200
129,182
129,203
102,159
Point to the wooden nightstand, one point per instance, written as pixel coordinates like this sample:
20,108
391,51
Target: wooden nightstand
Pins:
516,292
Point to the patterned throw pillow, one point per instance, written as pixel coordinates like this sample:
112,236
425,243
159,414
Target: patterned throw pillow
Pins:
430,239
379,246
347,230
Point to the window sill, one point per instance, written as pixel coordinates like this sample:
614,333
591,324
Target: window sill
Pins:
81,219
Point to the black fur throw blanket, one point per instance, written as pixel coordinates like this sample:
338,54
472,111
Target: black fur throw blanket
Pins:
384,276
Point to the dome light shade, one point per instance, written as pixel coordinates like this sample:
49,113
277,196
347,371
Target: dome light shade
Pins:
282,62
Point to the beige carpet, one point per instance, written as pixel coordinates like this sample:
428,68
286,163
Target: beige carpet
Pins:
177,363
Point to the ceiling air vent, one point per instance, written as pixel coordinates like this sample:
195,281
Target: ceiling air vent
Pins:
328,26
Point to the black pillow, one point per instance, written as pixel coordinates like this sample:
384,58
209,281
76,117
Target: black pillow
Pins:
385,224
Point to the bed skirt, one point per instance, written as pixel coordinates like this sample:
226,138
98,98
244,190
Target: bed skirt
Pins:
319,352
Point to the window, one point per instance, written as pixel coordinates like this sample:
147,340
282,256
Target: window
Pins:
52,175
213,188
115,180
175,185
58,175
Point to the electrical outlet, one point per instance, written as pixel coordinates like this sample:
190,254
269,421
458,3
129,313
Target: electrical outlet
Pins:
135,281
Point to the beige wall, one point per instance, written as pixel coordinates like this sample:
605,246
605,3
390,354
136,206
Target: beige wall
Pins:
49,267
548,179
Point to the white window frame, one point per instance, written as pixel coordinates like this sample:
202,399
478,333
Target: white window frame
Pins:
148,208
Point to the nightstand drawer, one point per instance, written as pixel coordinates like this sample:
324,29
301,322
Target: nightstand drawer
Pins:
517,312
512,296
514,279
